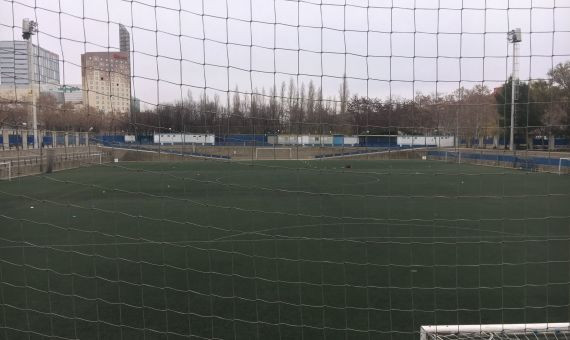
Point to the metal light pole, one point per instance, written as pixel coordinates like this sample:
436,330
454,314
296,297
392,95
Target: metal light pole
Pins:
29,28
514,38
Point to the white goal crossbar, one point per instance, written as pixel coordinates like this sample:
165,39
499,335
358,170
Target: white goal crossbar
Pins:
560,164
493,331
9,167
274,149
456,153
100,157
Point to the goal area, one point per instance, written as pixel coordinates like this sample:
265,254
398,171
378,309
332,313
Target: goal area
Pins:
273,153
497,331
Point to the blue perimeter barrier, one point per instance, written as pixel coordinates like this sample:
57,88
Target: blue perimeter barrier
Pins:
241,140
47,140
363,140
524,162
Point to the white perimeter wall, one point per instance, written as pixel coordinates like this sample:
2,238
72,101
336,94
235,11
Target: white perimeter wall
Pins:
350,140
179,138
447,141
311,140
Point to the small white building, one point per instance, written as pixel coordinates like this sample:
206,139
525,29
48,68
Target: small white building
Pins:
432,141
68,94
184,138
312,140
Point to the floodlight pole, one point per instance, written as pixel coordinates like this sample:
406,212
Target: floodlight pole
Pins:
514,37
513,93
29,28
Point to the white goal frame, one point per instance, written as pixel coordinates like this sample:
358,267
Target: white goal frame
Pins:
100,156
273,149
514,330
9,164
560,164
458,156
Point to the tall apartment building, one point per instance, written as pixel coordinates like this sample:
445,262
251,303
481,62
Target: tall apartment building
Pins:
106,81
14,64
106,77
124,39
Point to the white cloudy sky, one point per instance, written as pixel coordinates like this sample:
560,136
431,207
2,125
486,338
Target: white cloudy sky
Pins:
385,47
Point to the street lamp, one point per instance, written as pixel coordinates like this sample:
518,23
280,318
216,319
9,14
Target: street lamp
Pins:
29,28
514,37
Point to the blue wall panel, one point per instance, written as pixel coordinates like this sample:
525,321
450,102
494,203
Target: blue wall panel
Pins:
338,140
377,141
15,140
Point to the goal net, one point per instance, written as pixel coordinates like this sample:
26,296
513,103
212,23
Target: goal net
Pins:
284,169
538,331
273,153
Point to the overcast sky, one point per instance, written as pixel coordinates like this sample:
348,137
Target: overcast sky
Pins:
395,48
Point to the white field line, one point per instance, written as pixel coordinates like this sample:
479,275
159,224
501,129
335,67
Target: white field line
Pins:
166,153
45,155
15,160
373,153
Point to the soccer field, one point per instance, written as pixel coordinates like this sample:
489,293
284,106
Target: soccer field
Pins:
280,250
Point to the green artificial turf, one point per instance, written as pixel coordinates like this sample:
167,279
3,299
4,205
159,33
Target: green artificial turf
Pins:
280,250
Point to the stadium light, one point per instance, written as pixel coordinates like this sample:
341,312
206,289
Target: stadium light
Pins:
514,37
29,28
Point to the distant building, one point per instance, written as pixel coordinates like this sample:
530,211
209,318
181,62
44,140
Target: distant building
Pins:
125,46
124,39
68,94
106,81
14,64
106,77
21,94
15,94
72,93
135,105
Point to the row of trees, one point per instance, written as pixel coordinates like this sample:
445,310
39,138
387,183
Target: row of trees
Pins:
287,109
543,106
303,110
542,109
54,116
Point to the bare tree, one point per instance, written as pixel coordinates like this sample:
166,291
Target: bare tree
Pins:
343,94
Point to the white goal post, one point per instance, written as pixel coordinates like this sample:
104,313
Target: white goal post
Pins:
497,331
273,151
457,155
8,167
567,159
100,157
